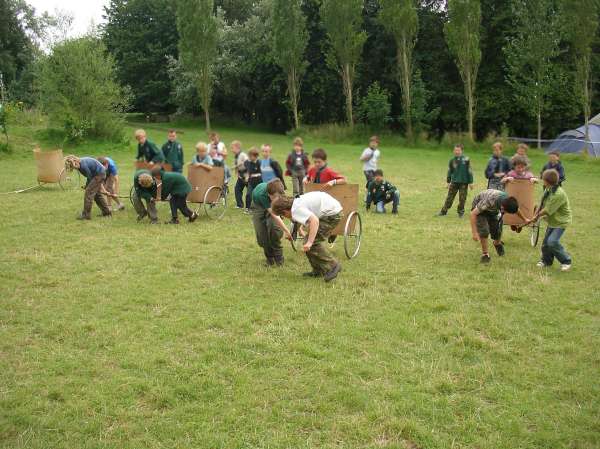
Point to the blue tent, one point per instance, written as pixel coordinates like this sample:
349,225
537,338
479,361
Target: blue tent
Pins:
574,141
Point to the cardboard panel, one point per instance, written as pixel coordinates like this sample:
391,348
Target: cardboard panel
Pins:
49,165
201,180
141,165
346,194
524,191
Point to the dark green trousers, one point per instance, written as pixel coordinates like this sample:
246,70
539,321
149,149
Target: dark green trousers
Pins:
320,258
462,190
268,234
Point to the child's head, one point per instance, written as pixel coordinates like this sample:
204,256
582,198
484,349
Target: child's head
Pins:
319,158
551,178
103,161
522,149
253,154
72,163
520,164
145,180
213,137
554,157
172,135
378,175
140,136
497,149
266,151
282,206
201,149
374,142
298,145
510,205
275,188
236,146
458,149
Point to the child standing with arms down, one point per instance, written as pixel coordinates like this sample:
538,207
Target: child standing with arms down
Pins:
556,209
370,158
173,152
320,173
555,164
240,159
320,213
297,165
253,174
497,168
459,179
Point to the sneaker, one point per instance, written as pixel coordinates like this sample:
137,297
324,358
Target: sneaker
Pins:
83,217
565,267
500,249
312,274
247,211
541,264
193,217
486,258
119,207
173,221
441,214
331,275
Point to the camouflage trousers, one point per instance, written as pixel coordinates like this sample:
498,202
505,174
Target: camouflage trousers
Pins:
92,193
462,190
320,258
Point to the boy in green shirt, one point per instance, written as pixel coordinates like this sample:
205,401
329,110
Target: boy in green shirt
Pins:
556,209
380,192
459,179
173,152
144,188
176,187
147,150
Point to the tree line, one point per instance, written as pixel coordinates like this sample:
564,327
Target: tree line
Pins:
525,67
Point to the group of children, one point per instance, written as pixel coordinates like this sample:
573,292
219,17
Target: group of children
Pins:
489,206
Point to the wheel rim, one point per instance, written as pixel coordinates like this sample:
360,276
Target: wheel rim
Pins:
68,180
131,192
535,234
352,237
215,209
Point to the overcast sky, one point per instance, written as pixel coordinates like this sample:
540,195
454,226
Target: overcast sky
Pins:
83,11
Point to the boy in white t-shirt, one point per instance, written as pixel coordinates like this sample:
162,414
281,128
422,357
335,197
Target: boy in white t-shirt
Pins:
370,158
320,213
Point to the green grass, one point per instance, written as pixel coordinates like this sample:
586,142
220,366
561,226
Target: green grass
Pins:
115,334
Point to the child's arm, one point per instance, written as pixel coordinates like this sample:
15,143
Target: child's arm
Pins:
366,155
313,228
279,222
473,217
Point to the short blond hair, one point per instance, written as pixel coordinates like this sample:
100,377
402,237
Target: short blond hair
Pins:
265,146
145,180
299,142
140,133
236,143
498,145
201,145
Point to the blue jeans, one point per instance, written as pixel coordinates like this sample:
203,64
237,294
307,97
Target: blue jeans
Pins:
395,203
551,248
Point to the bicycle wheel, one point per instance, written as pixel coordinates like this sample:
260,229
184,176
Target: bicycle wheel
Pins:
534,235
69,180
352,235
215,203
131,193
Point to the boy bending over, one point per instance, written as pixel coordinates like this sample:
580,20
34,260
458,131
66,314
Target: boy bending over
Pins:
486,219
320,213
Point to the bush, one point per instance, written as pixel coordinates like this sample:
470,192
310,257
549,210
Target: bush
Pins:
375,107
78,90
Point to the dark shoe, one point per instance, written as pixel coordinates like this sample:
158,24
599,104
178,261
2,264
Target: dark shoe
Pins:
331,275
486,259
173,221
193,217
500,249
395,212
269,262
331,239
519,229
461,214
142,216
83,217
279,261
109,215
312,274
441,214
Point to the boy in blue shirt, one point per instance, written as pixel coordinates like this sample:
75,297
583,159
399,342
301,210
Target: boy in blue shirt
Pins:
270,169
112,181
95,174
554,164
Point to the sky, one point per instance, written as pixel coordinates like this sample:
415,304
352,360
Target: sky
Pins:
83,11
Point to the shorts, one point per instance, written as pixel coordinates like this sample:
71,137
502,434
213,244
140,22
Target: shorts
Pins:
489,225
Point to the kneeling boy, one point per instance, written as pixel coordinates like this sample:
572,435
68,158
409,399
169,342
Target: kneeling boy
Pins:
486,219
321,213
381,192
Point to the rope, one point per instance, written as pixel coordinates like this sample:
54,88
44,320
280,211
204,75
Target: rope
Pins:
21,190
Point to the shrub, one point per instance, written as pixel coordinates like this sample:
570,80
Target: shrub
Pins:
375,107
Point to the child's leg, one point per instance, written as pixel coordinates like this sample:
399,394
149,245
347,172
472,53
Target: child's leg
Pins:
395,202
101,203
483,230
452,191
296,185
181,203
239,192
319,255
380,207
249,190
139,206
109,186
462,197
300,179
117,188
275,235
551,248
173,205
259,220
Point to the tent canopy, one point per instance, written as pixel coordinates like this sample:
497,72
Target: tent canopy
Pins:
573,141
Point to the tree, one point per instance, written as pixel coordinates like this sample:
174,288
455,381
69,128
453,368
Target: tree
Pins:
290,39
198,31
463,35
531,54
399,18
78,89
142,35
343,21
582,25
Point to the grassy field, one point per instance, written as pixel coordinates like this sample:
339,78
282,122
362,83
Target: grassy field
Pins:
115,334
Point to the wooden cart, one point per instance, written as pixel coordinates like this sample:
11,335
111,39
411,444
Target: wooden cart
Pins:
350,226
524,191
51,170
208,190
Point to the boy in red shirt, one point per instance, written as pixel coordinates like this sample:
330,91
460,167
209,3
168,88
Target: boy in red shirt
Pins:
320,173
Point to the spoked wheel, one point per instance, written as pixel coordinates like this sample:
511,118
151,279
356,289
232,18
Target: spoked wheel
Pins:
131,193
534,229
352,235
215,202
69,180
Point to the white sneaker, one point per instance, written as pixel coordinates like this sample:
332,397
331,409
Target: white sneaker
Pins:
541,264
565,267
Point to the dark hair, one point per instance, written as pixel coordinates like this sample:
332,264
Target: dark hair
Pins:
520,160
510,205
103,160
275,187
551,177
555,153
172,131
253,152
282,204
319,153
378,172
460,145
